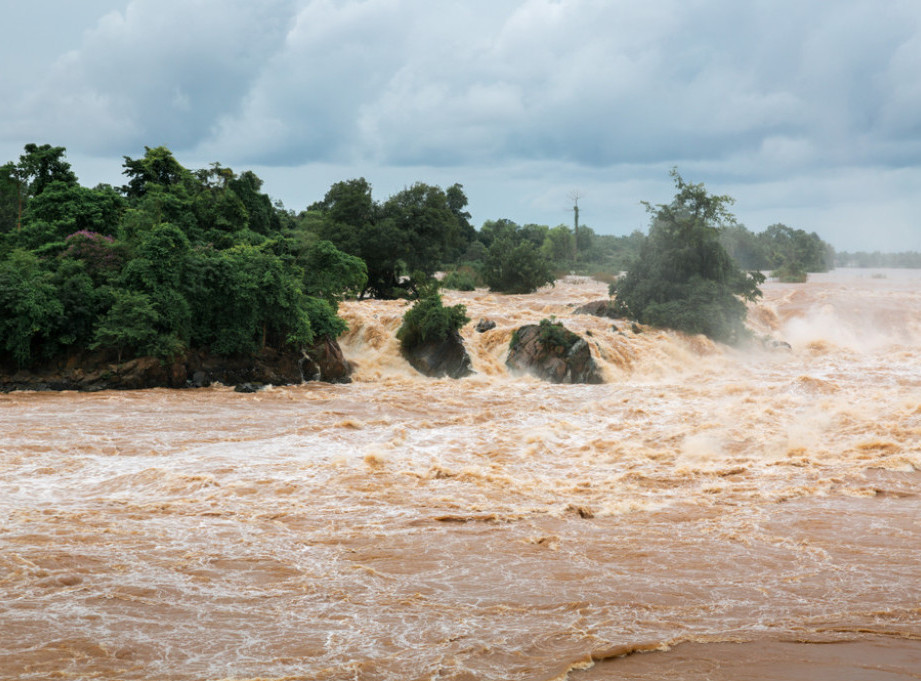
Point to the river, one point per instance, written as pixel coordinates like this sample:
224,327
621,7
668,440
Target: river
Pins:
707,512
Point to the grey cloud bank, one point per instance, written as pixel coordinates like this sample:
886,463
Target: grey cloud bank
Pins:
807,113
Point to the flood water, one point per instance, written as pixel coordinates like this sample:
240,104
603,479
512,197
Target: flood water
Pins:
706,513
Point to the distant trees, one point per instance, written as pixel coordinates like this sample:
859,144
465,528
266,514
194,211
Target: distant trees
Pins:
416,230
778,247
683,278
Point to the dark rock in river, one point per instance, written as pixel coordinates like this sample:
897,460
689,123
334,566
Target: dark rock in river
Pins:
599,308
485,325
553,353
248,388
446,357
325,362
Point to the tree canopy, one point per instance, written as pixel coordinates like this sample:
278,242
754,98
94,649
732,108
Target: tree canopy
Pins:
683,278
175,260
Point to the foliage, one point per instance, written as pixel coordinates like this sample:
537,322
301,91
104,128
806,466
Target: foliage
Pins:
790,273
416,229
776,246
29,306
331,274
464,278
130,324
684,278
176,260
429,320
514,264
553,334
904,259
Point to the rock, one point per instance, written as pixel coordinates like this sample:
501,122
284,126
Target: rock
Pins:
247,388
772,344
328,362
553,353
93,371
599,308
200,380
485,325
446,357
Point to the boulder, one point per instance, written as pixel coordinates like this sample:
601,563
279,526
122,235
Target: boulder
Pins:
485,325
553,353
248,387
440,358
325,362
599,308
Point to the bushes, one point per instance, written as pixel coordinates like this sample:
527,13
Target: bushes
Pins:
429,320
464,278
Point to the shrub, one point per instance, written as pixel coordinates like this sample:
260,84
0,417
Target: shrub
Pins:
464,278
554,334
429,320
790,273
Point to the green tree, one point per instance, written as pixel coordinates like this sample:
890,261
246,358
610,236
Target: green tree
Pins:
130,324
331,274
684,278
38,167
29,306
514,264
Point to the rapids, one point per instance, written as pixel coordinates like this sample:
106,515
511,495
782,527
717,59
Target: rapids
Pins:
732,507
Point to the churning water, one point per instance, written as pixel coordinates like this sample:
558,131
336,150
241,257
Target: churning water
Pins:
732,507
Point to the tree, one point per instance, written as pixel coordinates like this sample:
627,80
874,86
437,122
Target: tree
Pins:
129,324
158,167
29,306
515,262
38,167
331,274
684,278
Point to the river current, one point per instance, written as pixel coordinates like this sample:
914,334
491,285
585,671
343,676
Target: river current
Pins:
707,512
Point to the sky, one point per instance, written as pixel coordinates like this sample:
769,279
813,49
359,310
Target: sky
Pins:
808,113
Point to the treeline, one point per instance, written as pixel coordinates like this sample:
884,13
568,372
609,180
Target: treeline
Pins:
903,260
788,253
177,260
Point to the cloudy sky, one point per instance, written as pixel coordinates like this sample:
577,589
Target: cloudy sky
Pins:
807,112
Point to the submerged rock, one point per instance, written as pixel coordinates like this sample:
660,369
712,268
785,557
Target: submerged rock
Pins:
553,353
598,308
248,387
441,358
485,325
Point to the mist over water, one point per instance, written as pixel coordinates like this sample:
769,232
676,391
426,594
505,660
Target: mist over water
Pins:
495,527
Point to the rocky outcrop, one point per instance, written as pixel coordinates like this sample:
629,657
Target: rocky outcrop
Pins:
485,325
325,362
440,358
598,308
92,371
553,353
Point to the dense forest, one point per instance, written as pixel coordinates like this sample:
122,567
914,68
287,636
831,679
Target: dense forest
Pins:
177,260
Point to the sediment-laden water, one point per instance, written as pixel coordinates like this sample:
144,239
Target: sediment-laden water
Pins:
724,510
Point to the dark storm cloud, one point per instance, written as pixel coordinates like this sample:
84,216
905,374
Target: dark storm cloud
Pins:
786,101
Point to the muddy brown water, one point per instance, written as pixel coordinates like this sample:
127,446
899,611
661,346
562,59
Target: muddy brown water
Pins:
707,513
